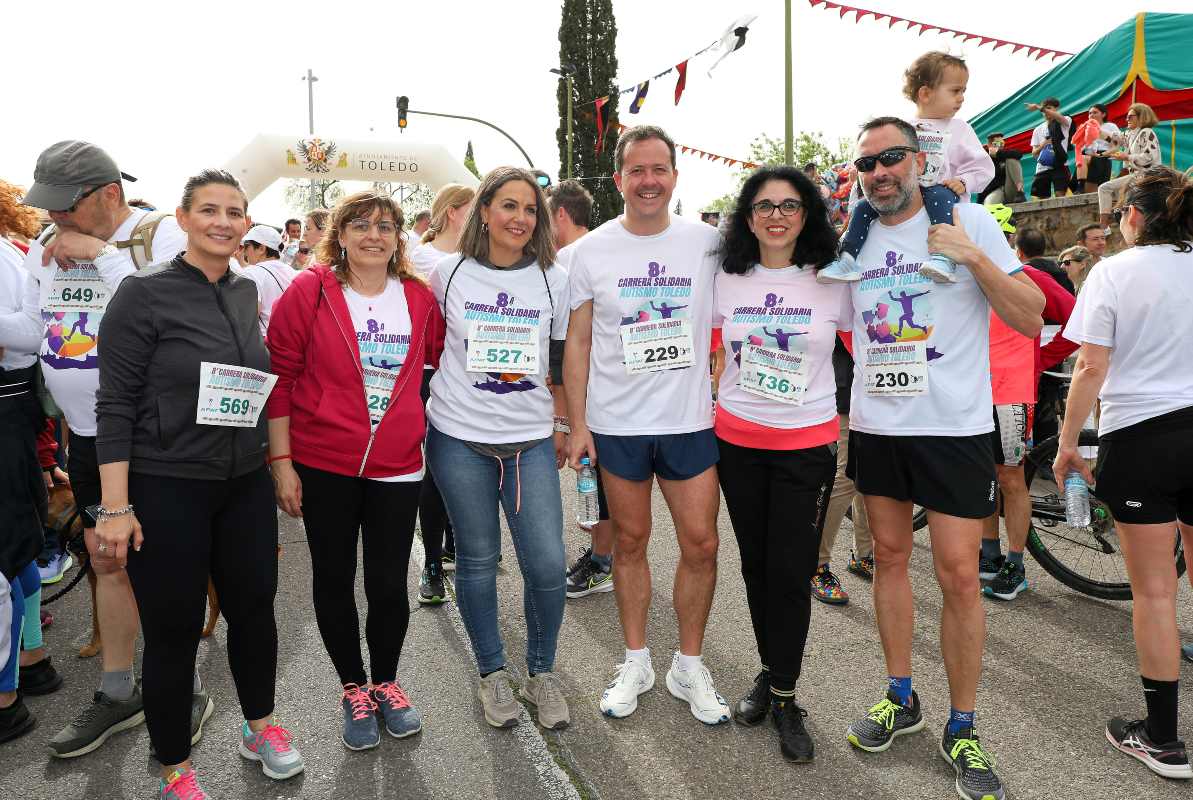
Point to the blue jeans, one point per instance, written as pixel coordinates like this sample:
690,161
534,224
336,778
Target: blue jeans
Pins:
472,485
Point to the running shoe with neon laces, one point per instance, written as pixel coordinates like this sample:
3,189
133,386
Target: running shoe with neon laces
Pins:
589,578
52,571
862,567
1010,581
843,269
401,718
695,688
546,692
794,742
939,268
620,698
827,589
501,708
988,568
884,722
974,767
578,564
181,785
752,708
360,719
271,746
1131,737
431,591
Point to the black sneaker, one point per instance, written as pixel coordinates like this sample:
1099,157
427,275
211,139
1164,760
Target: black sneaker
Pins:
588,579
16,720
1130,736
975,769
40,678
883,722
95,723
988,569
1008,583
430,587
794,741
579,563
448,560
752,708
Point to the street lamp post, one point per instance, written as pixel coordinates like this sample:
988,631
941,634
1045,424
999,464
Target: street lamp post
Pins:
310,79
521,149
788,130
569,72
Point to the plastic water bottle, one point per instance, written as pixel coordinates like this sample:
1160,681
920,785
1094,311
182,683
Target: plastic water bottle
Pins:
1076,500
586,489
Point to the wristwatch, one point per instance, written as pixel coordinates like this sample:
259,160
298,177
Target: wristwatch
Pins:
108,249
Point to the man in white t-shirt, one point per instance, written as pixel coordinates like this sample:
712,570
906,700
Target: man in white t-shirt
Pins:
1050,146
919,427
640,401
262,251
97,240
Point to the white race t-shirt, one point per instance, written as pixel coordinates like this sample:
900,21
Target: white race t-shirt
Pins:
508,316
70,346
1138,303
927,343
425,257
272,278
1109,130
779,327
18,338
382,327
634,279
1040,136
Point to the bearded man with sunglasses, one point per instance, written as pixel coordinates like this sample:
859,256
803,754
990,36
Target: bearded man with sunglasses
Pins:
77,266
919,429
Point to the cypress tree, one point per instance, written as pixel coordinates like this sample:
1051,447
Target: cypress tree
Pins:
587,41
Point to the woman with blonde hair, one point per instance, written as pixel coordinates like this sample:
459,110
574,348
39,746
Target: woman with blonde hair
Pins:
492,441
348,341
1140,150
1075,261
449,212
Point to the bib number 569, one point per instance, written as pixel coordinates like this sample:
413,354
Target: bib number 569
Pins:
232,405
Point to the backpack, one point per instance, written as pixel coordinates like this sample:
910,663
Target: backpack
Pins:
139,243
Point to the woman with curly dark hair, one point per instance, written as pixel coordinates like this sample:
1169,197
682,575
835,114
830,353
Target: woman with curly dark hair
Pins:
776,422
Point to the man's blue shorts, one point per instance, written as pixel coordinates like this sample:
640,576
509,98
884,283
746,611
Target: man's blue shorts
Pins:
673,457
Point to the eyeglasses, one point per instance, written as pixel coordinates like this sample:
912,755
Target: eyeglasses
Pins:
384,227
1067,261
888,158
788,208
1132,113
83,197
1119,213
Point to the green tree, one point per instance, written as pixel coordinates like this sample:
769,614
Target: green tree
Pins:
470,161
587,42
807,148
302,195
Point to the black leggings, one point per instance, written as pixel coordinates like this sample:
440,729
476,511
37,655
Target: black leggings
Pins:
225,529
432,514
777,500
335,509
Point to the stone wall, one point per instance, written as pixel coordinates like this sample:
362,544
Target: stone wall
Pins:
1060,217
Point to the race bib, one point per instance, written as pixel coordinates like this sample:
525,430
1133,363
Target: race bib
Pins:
896,370
774,374
379,389
934,145
232,396
501,347
77,289
657,345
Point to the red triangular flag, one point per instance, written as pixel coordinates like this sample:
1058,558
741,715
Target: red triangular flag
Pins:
731,161
893,21
602,119
684,149
682,69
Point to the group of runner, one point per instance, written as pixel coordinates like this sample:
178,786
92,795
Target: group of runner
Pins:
532,358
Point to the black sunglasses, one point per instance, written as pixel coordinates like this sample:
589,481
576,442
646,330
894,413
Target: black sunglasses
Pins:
1119,213
83,197
1066,262
888,158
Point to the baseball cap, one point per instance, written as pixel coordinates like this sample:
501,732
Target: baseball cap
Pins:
264,235
64,170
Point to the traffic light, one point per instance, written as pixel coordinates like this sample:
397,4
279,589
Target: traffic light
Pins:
403,105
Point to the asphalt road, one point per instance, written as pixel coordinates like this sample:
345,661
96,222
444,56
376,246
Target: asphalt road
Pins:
1057,665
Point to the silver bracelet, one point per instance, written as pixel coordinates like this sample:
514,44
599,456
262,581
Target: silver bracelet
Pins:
562,425
103,513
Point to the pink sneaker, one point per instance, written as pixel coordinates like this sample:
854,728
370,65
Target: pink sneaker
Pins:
181,785
271,746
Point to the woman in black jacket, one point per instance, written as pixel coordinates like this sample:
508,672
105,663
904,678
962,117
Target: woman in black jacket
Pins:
182,439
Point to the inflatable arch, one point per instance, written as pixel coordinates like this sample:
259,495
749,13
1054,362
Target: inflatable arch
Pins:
269,157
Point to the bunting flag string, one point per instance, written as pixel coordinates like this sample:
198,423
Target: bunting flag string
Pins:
682,81
965,36
704,154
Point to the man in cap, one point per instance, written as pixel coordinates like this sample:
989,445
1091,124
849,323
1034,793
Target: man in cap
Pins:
96,241
262,253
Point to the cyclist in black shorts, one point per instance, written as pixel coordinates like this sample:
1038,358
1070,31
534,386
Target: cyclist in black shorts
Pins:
1133,323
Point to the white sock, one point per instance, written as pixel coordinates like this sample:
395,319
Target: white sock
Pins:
689,663
640,656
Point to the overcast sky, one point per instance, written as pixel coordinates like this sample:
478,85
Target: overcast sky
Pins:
171,88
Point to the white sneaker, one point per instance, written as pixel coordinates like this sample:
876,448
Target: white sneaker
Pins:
620,698
696,689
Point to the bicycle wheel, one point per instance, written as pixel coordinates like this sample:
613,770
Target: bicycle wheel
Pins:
1088,560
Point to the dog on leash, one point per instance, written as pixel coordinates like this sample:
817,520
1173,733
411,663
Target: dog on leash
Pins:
64,518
